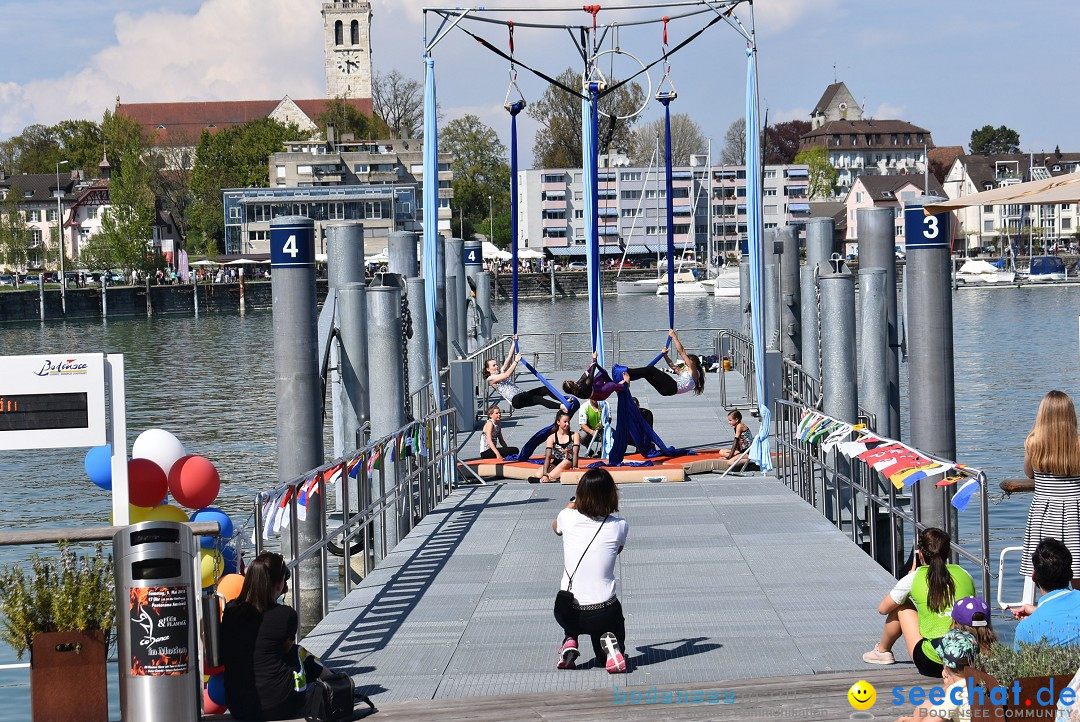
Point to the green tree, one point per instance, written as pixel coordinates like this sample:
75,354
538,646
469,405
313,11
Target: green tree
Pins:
989,140
686,140
822,175
81,142
478,160
558,141
15,235
347,119
127,223
233,158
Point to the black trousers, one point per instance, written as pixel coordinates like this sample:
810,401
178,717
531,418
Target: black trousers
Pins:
663,382
506,451
595,623
539,396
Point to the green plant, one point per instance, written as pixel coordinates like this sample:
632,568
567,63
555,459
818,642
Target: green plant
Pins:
1031,660
65,593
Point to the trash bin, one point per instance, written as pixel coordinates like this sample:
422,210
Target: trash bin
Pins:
156,622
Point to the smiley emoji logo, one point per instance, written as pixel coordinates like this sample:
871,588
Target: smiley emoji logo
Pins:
862,695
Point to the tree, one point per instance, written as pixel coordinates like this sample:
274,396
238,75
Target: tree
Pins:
822,175
734,152
399,101
558,141
478,160
347,119
686,140
15,234
782,141
989,140
127,224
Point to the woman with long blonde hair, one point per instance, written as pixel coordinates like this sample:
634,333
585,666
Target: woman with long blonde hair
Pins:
1052,458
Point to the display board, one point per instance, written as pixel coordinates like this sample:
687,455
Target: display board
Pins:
52,401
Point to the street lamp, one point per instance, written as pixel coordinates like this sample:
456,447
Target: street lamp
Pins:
491,223
60,237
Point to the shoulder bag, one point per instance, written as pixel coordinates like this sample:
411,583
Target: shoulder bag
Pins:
564,599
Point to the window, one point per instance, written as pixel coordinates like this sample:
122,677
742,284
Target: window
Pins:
281,171
836,141
33,216
258,235
259,213
335,211
1066,206
629,212
854,140
653,193
770,174
918,137
339,36
630,195
579,214
988,226
303,170
988,209
360,168
741,174
907,138
354,33
680,192
655,230
553,178
630,176
770,210
770,191
91,212
1066,224
894,138
577,195
51,215
35,237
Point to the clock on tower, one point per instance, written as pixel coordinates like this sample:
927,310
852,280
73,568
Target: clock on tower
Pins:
347,28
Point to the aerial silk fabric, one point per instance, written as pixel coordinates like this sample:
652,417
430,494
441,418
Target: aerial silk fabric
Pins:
759,449
432,261
631,426
670,207
590,160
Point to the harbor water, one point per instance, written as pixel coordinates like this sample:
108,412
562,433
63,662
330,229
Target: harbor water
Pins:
211,382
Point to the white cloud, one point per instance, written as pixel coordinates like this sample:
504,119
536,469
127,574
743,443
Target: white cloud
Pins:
227,50
777,15
888,111
782,115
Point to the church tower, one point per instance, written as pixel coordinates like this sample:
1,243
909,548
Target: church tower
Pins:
347,29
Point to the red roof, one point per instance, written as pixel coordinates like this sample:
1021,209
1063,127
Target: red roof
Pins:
182,123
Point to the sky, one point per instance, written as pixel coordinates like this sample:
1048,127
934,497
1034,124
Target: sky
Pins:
949,67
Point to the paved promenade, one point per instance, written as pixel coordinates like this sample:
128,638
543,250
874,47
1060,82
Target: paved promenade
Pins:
721,579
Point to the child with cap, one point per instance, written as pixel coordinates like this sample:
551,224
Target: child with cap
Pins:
957,650
972,614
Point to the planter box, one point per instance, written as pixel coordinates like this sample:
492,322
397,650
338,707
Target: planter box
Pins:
1031,707
68,677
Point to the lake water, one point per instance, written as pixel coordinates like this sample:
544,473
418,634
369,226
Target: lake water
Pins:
211,382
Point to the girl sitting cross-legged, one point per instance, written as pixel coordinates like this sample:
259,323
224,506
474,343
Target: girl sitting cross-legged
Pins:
561,454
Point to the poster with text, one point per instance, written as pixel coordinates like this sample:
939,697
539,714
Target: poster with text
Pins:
158,624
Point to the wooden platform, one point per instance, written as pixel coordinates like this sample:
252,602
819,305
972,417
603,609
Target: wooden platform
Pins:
663,468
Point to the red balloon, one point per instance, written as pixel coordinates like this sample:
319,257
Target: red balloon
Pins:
147,485
210,706
194,482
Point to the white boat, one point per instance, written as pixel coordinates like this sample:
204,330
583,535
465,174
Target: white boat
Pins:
981,272
649,286
726,283
687,288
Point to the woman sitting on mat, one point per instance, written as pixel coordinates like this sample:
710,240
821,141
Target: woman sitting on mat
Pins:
492,443
562,450
686,375
500,380
743,437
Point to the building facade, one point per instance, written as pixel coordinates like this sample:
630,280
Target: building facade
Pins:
889,191
995,227
377,182
632,207
871,147
347,33
836,103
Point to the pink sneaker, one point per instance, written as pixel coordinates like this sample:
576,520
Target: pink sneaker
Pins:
616,662
568,654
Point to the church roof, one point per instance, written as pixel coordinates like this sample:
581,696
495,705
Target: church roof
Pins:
827,97
183,123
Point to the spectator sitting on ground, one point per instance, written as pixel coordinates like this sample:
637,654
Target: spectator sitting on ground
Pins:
957,650
562,451
591,420
492,443
1057,617
743,438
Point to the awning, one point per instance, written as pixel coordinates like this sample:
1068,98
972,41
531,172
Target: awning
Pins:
1061,189
606,250
798,173
799,207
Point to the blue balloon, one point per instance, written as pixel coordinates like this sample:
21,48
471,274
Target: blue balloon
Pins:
211,514
98,466
215,688
232,565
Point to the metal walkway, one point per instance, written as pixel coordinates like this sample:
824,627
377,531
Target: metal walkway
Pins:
721,579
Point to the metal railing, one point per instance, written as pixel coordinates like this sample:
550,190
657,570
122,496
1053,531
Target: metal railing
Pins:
875,511
800,387
421,479
739,349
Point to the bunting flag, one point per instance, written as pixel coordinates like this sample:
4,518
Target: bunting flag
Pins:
837,436
308,489
267,508
402,442
336,474
967,490
851,449
283,517
355,464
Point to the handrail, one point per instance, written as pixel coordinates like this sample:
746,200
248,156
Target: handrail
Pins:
84,534
739,349
834,484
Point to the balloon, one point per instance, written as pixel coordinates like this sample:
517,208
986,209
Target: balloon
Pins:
166,512
147,485
215,688
209,705
209,672
194,482
229,586
159,446
98,465
232,565
212,565
212,514
136,514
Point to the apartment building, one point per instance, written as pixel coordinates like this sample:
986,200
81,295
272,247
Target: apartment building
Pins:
885,191
377,182
632,207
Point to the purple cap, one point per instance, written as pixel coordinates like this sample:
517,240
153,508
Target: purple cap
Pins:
971,612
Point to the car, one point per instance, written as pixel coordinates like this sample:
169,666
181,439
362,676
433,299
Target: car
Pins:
900,255
577,265
52,277
30,278
624,264
7,280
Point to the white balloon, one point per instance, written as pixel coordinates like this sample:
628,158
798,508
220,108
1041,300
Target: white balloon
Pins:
160,447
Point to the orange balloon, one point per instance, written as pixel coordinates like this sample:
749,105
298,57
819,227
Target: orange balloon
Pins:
229,586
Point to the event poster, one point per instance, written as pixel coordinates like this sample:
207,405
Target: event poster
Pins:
159,631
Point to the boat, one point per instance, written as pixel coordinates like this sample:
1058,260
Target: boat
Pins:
983,272
687,288
726,283
649,286
1047,268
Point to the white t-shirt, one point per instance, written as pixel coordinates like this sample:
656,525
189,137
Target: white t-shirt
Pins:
594,581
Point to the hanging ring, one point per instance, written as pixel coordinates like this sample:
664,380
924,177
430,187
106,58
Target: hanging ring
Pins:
513,106
645,71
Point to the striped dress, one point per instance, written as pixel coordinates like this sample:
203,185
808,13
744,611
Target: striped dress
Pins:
1054,512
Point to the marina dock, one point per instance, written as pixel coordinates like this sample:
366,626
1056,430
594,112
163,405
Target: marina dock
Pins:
728,584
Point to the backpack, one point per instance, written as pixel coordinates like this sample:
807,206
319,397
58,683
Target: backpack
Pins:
331,699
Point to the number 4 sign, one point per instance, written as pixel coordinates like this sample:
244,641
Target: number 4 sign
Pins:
923,231
292,243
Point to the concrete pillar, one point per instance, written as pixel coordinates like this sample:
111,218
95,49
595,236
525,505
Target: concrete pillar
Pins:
874,344
790,298
483,304
298,389
877,249
820,233
387,388
401,248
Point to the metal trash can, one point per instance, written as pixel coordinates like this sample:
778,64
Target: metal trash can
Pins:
156,622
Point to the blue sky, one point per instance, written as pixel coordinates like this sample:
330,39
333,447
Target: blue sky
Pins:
949,67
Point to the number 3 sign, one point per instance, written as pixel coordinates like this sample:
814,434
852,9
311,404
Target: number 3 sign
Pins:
292,243
923,231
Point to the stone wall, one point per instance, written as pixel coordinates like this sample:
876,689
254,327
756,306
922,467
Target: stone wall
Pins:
568,284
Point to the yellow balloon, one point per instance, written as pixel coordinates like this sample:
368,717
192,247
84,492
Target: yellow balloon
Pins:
166,512
135,514
212,565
